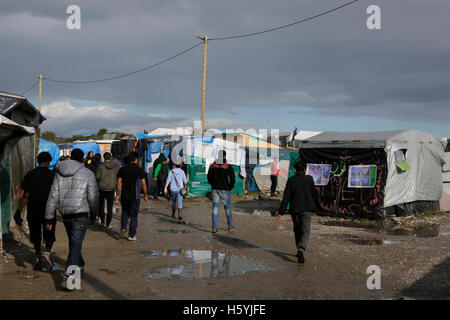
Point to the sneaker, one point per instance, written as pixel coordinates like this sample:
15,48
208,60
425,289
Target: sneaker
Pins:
231,229
131,239
46,258
214,230
64,282
123,234
300,257
108,227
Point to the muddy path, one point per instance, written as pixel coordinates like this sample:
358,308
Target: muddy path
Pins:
183,260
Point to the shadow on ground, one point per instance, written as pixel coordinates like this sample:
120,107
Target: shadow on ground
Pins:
434,285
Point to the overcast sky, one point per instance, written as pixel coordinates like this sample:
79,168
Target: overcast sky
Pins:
332,73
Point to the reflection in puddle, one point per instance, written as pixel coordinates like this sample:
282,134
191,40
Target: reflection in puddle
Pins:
258,212
206,264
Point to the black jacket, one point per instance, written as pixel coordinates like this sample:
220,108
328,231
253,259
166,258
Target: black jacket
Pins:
221,176
301,195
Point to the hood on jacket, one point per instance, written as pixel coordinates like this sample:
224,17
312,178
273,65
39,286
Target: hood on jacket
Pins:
177,171
110,165
68,168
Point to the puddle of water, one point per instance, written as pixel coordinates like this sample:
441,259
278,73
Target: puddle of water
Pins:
367,242
421,230
177,231
206,264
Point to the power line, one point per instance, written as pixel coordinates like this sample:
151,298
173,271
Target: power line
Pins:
34,85
129,73
284,26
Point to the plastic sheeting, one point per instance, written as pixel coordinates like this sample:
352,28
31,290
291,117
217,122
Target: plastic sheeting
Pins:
445,199
51,148
423,182
262,176
198,184
86,147
10,133
192,150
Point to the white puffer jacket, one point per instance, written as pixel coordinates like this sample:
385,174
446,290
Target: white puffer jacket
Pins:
74,190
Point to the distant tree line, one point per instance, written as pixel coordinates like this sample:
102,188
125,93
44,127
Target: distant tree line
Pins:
51,136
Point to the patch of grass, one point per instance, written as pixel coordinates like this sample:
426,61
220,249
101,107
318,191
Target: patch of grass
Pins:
429,212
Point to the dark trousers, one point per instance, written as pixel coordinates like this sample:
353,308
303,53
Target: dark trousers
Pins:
39,231
130,209
109,197
302,228
76,230
273,187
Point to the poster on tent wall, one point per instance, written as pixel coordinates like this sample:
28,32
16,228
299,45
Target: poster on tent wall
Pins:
319,172
362,176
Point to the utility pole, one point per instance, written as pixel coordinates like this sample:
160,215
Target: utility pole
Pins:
37,133
205,48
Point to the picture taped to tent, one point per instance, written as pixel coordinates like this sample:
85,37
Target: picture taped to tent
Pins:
362,176
319,172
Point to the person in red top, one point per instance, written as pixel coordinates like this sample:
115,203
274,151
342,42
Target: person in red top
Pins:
274,171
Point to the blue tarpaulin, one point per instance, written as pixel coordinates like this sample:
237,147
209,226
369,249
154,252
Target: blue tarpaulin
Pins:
143,135
50,147
86,147
155,147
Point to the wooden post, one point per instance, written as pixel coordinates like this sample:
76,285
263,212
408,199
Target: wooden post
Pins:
37,133
205,49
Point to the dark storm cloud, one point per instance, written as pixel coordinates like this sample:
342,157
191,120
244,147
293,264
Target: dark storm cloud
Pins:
334,64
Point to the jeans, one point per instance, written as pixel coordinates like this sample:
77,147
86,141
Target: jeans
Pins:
130,209
225,197
109,197
273,186
302,228
76,230
176,196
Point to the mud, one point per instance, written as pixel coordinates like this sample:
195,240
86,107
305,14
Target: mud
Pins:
413,255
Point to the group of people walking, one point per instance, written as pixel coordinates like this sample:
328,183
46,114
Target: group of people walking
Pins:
79,190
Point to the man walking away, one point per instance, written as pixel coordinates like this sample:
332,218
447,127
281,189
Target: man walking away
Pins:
160,175
36,187
74,192
128,194
160,159
274,170
221,178
301,195
107,181
177,181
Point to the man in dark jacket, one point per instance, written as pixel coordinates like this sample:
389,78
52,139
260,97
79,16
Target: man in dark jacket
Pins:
128,195
107,180
160,175
74,192
221,178
301,195
36,187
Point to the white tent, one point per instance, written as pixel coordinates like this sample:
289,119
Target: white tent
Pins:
303,135
425,155
209,151
445,199
262,176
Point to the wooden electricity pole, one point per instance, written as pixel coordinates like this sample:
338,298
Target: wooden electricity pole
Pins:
37,133
205,48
